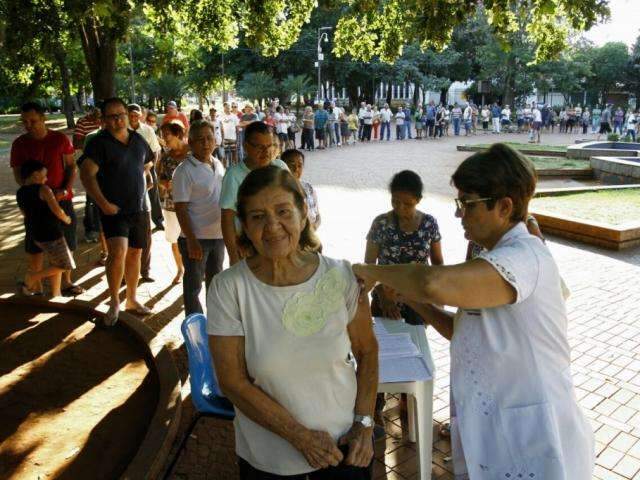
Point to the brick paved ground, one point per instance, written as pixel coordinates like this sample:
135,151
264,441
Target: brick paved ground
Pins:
351,184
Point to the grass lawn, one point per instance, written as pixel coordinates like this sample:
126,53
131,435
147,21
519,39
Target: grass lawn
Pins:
558,163
527,146
608,206
4,143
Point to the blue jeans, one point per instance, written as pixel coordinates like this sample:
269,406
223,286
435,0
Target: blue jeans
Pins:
467,127
385,126
456,126
632,133
407,126
617,127
197,270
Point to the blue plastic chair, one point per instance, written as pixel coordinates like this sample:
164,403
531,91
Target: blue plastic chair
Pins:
205,392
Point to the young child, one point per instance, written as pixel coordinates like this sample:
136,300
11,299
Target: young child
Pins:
42,217
295,161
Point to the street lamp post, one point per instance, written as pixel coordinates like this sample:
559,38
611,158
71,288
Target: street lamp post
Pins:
322,34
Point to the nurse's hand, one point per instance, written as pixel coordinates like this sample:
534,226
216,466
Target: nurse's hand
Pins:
360,441
319,449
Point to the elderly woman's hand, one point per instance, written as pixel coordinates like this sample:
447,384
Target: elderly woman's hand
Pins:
360,442
319,449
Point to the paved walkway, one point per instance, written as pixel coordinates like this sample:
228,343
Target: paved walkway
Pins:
351,183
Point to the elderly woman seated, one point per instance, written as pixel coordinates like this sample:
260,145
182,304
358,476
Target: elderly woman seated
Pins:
287,328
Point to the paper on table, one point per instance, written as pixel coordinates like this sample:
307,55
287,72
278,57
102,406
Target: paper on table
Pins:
397,345
379,328
404,369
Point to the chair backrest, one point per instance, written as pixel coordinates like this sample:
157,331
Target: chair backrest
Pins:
205,392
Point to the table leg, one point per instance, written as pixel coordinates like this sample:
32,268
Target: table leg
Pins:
411,416
424,407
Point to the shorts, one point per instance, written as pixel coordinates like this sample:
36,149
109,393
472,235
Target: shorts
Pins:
319,133
68,231
485,125
283,136
605,127
132,226
536,125
171,226
58,253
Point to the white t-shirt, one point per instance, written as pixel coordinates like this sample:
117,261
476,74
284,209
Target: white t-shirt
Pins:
537,115
217,125
229,124
150,136
400,118
297,350
506,114
514,411
485,114
367,117
385,115
281,122
199,185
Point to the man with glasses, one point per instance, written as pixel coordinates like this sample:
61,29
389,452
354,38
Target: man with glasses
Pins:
55,151
114,168
259,147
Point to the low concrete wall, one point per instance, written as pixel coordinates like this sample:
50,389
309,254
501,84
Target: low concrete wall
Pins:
571,173
587,150
616,170
525,151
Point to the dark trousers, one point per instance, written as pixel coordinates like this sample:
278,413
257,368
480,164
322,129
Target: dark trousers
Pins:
360,129
341,472
91,220
154,199
430,124
307,139
385,126
366,132
145,259
195,271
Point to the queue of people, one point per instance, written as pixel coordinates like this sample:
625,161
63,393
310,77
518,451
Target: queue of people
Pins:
290,329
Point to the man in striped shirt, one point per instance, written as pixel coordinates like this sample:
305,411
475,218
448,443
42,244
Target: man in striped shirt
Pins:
87,124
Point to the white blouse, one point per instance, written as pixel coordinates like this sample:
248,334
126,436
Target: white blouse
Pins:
514,414
297,350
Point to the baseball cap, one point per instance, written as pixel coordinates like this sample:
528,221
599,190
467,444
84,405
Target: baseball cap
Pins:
172,104
134,107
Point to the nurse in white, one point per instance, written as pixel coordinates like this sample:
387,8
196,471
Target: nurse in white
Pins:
514,414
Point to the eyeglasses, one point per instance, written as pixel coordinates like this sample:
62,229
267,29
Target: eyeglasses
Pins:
462,204
260,147
116,116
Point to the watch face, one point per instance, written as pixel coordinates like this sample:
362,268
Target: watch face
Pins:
365,420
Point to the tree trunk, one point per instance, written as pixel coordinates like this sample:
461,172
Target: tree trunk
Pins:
389,92
67,102
36,80
99,45
416,95
443,95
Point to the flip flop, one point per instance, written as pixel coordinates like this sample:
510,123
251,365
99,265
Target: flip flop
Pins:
24,290
141,311
73,290
111,317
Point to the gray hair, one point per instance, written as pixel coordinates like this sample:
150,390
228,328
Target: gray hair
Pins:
199,125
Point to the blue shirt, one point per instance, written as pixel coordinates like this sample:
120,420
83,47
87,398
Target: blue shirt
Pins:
495,112
407,115
431,112
321,118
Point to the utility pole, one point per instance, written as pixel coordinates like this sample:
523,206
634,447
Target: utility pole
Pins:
322,34
224,87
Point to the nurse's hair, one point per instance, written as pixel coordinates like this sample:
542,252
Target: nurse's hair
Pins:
272,176
496,173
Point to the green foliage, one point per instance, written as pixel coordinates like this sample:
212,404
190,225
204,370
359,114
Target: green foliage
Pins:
257,86
613,137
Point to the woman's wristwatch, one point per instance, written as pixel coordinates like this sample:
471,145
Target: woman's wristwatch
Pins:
365,420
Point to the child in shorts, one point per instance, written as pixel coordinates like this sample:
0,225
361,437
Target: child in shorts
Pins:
295,161
42,217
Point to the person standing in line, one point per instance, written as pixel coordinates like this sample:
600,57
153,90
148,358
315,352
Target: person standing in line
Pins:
505,117
495,118
484,116
456,117
344,127
407,121
385,122
229,121
87,124
337,111
595,123
376,122
618,120
536,124
430,120
153,195
55,151
196,187
400,124
114,168
352,123
281,127
586,120
247,116
308,129
176,151
292,128
630,126
361,110
295,161
320,119
172,113
260,153
367,119
467,118
214,119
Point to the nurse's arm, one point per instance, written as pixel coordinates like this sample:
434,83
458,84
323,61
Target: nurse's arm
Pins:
438,318
473,284
318,447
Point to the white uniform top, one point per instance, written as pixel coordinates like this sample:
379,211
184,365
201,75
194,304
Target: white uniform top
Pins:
514,414
297,350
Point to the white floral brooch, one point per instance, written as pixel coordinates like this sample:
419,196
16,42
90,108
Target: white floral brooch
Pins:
305,313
